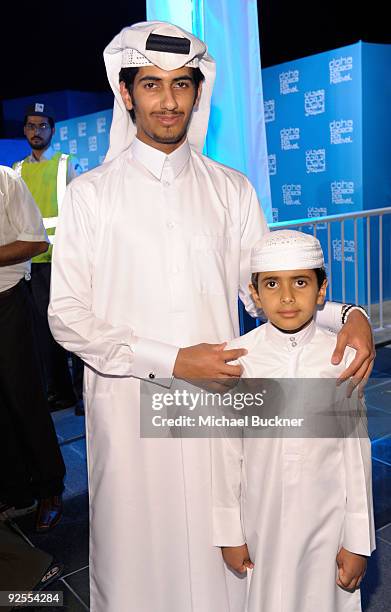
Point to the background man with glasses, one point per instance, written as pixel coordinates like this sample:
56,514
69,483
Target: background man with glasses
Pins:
47,173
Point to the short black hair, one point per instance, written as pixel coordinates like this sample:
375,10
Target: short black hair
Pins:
127,76
50,120
320,277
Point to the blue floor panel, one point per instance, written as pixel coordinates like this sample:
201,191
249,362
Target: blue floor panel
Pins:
381,449
376,589
381,478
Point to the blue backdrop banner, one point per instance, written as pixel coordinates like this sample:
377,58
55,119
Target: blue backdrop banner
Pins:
323,149
313,114
87,137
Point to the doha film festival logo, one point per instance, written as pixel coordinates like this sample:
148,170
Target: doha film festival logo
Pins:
289,81
341,131
269,109
73,146
82,129
64,132
314,102
348,251
84,163
272,163
290,138
342,192
291,194
101,125
315,161
92,143
317,211
340,69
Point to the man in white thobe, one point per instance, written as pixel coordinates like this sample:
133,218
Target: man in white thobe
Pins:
151,252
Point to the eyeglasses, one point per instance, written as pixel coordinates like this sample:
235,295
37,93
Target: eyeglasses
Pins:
39,127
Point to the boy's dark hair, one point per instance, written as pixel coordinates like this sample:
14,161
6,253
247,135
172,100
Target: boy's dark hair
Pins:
320,277
127,76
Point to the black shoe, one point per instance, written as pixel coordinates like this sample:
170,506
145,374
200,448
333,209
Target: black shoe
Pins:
49,513
4,508
10,510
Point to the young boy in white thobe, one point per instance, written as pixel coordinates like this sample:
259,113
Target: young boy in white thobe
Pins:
297,511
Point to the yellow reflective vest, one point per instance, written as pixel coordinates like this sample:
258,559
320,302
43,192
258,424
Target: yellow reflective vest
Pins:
46,181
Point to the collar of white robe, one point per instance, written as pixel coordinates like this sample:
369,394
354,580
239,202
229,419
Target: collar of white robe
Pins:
168,47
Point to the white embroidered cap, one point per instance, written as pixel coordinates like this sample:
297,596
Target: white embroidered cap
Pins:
131,58
168,47
286,250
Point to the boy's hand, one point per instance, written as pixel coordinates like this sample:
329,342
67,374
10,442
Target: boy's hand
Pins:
351,569
237,558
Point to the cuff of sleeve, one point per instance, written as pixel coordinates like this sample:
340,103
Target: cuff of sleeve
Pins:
33,237
352,307
227,527
330,316
357,534
154,361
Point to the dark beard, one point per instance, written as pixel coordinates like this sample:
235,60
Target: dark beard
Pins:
38,146
169,139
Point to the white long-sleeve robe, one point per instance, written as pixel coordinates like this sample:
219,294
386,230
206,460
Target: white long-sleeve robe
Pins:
296,501
151,252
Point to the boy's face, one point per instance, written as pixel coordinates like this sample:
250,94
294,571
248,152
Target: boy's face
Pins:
288,298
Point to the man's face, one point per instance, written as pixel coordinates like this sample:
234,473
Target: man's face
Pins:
163,102
38,132
288,298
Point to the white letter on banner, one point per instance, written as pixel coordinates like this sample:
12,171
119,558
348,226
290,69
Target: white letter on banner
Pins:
82,128
64,133
101,125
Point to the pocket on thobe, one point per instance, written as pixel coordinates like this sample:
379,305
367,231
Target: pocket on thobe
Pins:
209,260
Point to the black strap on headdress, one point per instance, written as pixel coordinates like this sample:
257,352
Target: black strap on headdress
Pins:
168,44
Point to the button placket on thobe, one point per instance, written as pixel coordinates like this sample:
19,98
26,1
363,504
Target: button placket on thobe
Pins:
176,239
293,447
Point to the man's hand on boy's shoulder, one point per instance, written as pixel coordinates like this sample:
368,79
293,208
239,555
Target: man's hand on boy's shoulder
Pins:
356,333
351,569
237,558
207,361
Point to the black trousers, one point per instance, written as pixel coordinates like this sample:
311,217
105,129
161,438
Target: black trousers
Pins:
54,359
31,464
